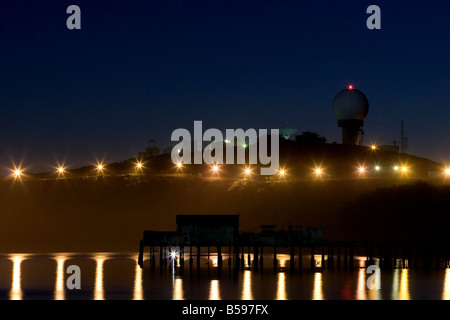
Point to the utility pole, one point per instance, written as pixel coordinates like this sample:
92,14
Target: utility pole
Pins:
403,139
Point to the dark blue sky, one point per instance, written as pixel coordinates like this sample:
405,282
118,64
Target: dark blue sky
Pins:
140,69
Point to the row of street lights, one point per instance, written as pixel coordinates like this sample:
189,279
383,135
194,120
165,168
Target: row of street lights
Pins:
318,171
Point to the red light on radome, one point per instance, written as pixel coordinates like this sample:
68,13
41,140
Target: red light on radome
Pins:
350,87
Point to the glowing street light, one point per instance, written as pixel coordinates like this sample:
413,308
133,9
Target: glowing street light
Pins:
404,169
373,147
100,167
361,170
17,173
247,172
282,172
377,168
318,171
447,171
215,168
179,165
395,168
139,165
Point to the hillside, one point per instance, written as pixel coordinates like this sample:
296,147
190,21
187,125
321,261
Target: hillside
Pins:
92,212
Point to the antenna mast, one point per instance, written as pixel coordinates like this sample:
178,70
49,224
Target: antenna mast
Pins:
403,139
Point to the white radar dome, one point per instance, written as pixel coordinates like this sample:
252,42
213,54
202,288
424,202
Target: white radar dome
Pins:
350,104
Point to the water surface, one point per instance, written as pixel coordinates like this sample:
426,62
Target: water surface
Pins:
117,276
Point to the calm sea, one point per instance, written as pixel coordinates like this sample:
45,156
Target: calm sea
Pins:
117,276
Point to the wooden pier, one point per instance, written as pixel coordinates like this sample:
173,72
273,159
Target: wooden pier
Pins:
217,236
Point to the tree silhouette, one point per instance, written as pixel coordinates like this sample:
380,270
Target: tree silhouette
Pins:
308,137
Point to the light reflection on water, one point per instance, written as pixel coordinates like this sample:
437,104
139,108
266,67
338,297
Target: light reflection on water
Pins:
16,288
317,291
214,290
375,294
178,289
281,290
98,291
60,273
138,292
400,285
362,286
446,291
397,284
247,286
362,291
404,285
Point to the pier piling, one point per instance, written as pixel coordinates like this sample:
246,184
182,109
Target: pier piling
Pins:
261,259
141,254
198,257
338,258
345,258
219,257
323,256
292,261
300,262
275,257
255,257
351,260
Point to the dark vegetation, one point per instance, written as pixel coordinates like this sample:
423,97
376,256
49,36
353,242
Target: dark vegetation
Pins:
411,212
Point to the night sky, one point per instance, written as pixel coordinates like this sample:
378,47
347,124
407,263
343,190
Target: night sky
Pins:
137,70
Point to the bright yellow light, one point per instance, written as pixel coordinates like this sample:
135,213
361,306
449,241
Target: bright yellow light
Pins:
138,294
179,164
16,290
373,147
404,169
61,170
282,172
247,171
318,171
362,170
447,171
17,172
395,168
98,288
215,168
377,168
139,165
100,167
